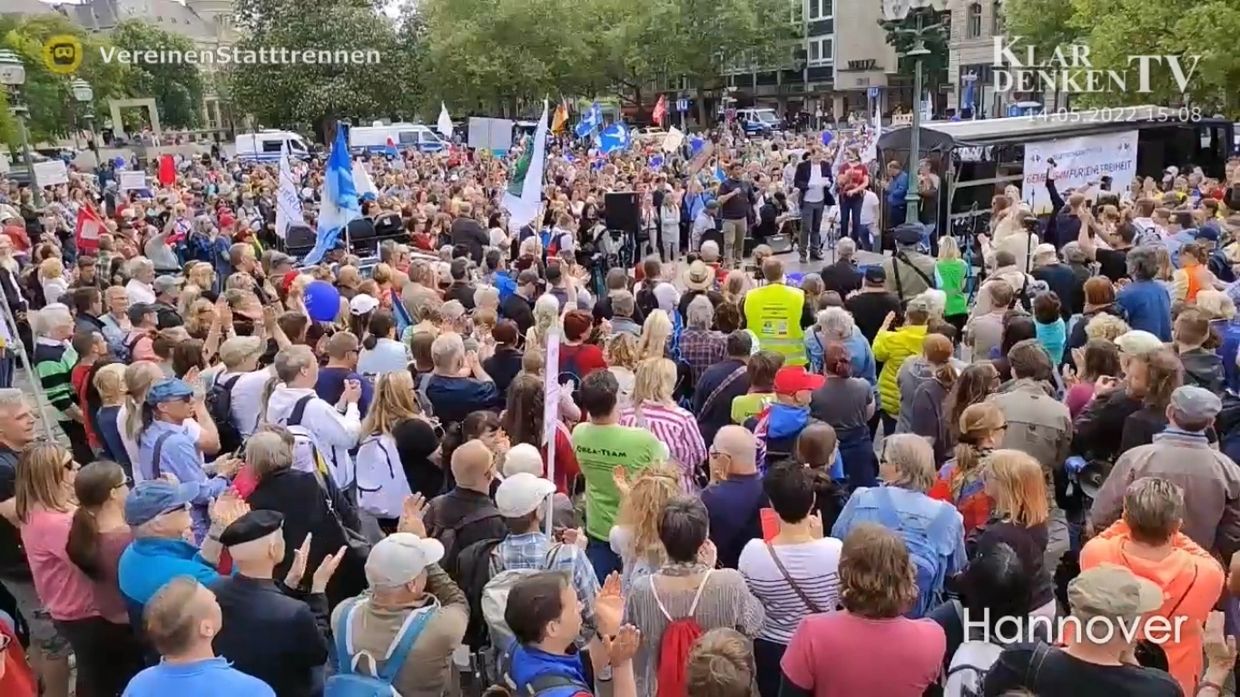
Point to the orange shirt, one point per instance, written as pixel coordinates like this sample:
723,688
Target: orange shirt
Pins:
1191,580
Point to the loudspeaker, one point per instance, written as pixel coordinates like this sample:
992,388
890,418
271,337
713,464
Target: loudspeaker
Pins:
620,211
388,225
779,244
299,240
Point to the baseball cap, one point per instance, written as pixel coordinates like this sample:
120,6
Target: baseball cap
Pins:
137,310
1137,342
523,457
1196,403
165,283
399,558
1208,231
794,378
279,259
909,233
1044,250
875,275
1109,590
522,493
154,497
286,281
168,390
362,304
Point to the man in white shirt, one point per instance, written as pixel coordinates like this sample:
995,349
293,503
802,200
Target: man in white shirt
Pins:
703,223
335,428
870,205
141,277
245,381
813,178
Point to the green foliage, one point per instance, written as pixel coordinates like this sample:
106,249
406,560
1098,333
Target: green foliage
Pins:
177,88
931,28
1043,24
311,94
53,112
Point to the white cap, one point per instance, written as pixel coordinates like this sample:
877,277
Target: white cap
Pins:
521,494
1137,342
362,303
523,457
400,558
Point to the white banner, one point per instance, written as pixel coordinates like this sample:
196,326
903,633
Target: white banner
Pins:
1079,162
288,205
673,139
51,173
132,180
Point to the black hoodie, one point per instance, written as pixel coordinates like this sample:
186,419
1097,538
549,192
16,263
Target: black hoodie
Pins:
1204,369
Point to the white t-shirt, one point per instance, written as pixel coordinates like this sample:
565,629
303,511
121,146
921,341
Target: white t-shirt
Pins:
388,356
869,208
247,398
817,184
139,292
131,446
814,566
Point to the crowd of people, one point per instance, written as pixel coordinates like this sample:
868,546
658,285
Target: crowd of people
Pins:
230,473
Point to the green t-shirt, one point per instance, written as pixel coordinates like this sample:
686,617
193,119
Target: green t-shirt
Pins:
747,405
600,449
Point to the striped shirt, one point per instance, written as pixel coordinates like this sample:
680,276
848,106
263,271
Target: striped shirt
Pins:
54,361
676,428
533,550
813,566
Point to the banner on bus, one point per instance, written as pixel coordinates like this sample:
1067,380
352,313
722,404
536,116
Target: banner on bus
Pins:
1079,162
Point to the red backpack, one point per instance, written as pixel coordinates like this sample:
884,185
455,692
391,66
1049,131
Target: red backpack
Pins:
677,641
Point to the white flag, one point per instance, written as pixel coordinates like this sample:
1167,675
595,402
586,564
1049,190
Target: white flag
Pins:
871,149
524,193
362,181
673,139
288,205
445,122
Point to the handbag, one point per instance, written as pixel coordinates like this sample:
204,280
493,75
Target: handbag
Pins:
809,602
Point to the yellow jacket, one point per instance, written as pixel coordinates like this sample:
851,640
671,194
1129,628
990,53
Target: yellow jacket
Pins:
773,313
890,349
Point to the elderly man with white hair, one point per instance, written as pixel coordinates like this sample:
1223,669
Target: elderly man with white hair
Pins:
843,276
836,325
459,384
700,347
141,277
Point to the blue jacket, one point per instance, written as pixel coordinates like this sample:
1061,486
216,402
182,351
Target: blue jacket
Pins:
1148,306
529,663
179,456
148,563
898,190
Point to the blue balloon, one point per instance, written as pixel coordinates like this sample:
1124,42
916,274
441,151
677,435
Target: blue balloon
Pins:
826,137
794,278
322,301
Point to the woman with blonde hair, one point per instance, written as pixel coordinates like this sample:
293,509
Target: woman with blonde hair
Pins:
1016,486
960,481
547,316
1105,326
202,275
721,664
396,431
653,409
656,332
950,275
735,284
906,465
878,588
109,382
139,377
635,536
622,359
105,651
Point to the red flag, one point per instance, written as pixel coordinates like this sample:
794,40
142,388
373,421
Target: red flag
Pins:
167,170
660,110
89,226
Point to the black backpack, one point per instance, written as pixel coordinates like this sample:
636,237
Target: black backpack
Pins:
447,537
219,406
473,572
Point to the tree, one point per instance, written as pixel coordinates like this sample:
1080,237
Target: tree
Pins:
931,26
632,47
177,88
367,76
53,112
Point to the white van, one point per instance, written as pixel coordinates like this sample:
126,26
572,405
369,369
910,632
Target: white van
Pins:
265,146
389,139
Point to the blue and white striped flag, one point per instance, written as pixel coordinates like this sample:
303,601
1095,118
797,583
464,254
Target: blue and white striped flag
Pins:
340,205
614,137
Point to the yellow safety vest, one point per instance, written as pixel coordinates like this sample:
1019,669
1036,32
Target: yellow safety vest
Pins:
773,312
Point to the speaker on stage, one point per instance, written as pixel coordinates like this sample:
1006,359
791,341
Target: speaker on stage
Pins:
299,240
620,211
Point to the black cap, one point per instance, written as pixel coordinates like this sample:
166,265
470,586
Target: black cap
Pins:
908,233
875,275
254,525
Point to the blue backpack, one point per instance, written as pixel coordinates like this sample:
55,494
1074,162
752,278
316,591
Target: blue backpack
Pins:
348,681
922,550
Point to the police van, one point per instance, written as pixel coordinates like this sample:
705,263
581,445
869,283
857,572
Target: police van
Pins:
391,139
265,146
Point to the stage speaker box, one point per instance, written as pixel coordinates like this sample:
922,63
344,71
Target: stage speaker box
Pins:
780,244
621,212
299,240
388,225
362,235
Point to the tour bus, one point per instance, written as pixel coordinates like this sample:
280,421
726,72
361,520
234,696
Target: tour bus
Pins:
389,139
1094,150
265,146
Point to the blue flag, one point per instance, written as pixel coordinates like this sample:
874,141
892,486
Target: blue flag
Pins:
719,172
695,144
591,119
340,205
656,161
614,137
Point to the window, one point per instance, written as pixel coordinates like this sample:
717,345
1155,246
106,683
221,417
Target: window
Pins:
819,50
973,27
997,23
818,9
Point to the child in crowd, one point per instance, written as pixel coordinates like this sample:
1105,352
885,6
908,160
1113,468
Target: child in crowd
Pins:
1048,321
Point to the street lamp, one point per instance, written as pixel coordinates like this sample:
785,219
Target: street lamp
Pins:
898,11
13,76
84,95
